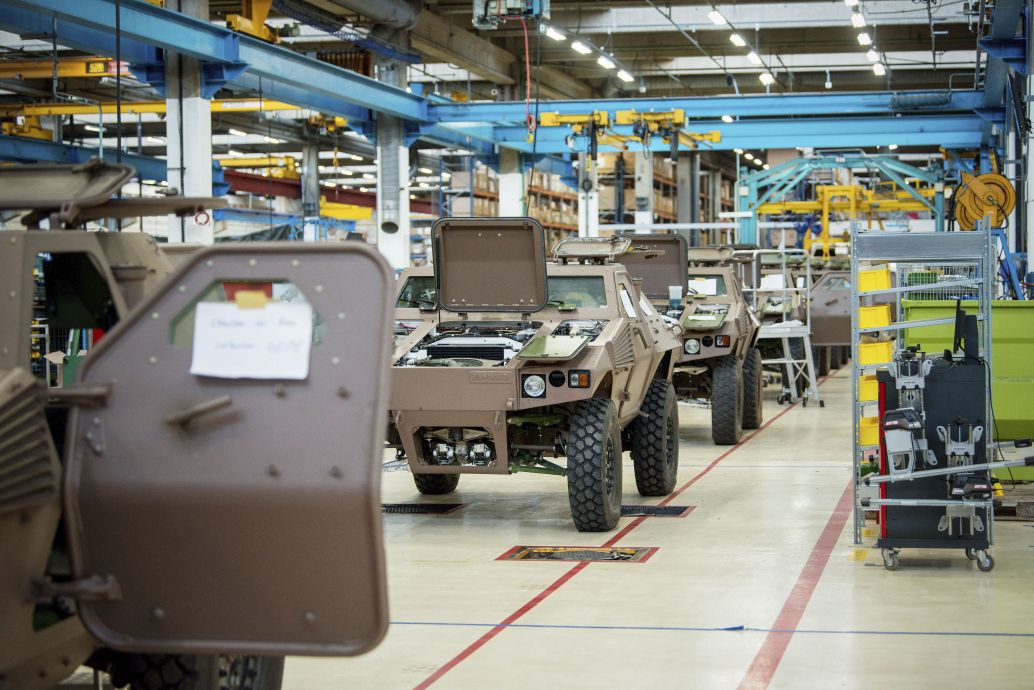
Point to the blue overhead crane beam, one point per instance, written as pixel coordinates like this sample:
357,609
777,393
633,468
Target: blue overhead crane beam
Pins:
314,83
713,107
25,150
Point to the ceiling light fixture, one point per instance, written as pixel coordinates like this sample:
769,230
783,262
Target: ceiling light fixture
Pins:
758,162
766,166
851,3
766,78
274,140
753,58
92,128
232,152
427,171
363,189
829,80
580,47
624,76
873,55
893,147
156,140
551,32
857,20
716,18
605,62
738,152
238,132
878,69
726,118
737,40
749,156
864,39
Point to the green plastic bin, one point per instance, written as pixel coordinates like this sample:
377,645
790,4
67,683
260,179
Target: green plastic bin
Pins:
1012,360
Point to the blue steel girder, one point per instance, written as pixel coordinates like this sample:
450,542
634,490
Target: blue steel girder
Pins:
477,139
24,150
24,21
928,176
900,181
713,107
949,131
1011,51
147,24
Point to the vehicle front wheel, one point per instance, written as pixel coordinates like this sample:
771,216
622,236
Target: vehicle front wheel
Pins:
752,390
727,401
183,672
655,441
436,484
594,466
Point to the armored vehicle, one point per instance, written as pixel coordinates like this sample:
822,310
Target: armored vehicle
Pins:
503,362
718,360
176,445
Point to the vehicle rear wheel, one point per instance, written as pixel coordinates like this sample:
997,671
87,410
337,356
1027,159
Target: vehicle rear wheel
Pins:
821,356
727,401
436,484
834,357
655,441
752,390
182,672
845,354
594,466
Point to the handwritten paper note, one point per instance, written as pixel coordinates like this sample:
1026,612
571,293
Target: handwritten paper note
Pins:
704,286
268,343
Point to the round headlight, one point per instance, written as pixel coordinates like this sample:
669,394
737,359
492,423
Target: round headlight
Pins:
692,346
534,386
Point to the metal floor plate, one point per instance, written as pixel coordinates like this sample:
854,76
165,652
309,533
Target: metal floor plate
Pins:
420,508
656,511
618,554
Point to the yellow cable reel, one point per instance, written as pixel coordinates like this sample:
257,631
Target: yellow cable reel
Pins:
981,195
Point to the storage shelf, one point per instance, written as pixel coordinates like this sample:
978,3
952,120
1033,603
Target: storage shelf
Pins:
550,193
918,323
923,287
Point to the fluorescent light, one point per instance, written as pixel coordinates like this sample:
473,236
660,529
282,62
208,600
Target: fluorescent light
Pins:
363,189
738,152
332,184
753,58
851,3
766,166
893,147
551,32
857,20
737,40
726,118
624,76
749,156
716,18
873,55
355,157
235,153
342,171
864,39
92,128
766,78
605,62
424,185
148,181
427,171
878,69
238,132
369,176
412,196
758,162
580,47
446,176
156,140
274,140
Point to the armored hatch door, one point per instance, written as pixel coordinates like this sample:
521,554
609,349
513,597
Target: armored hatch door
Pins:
225,494
490,264
831,309
659,261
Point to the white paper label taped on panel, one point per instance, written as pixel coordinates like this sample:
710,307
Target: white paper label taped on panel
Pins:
703,286
268,343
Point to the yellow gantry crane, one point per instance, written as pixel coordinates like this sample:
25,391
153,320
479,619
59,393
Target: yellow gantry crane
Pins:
596,125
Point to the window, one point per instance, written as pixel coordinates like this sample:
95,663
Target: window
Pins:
835,283
418,290
578,291
709,285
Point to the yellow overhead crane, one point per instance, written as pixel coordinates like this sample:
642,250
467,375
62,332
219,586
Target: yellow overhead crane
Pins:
66,68
596,124
228,105
285,167
252,20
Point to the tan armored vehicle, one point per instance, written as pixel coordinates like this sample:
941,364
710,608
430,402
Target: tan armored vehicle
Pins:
718,361
189,458
503,362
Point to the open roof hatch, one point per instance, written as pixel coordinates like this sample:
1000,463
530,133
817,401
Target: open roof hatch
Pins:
659,261
49,186
490,264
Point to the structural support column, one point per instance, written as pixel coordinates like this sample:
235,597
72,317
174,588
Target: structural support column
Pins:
311,186
392,175
643,190
188,133
1028,180
511,183
716,195
588,198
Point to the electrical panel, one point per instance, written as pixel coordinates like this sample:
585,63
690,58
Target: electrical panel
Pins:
489,14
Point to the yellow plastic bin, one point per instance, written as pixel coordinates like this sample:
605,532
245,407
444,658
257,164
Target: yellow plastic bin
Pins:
875,353
869,431
874,317
874,279
868,388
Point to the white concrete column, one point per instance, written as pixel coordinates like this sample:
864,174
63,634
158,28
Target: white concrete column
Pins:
511,183
392,176
188,133
311,186
643,189
588,198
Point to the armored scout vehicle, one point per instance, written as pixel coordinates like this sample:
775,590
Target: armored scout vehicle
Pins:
718,360
164,516
503,361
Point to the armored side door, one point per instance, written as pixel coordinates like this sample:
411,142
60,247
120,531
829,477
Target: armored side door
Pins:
224,458
831,309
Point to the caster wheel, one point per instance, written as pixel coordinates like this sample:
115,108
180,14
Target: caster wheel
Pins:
804,401
985,562
890,559
971,554
822,403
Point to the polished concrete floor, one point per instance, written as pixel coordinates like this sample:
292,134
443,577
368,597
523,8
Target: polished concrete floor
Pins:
759,586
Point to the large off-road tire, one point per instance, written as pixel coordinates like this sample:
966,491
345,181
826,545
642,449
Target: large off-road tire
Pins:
655,441
752,389
727,401
834,357
594,466
845,354
822,358
182,672
436,484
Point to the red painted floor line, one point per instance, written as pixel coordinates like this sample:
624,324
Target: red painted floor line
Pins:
766,661
563,579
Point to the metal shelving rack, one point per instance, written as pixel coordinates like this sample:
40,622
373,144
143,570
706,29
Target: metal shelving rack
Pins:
963,264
